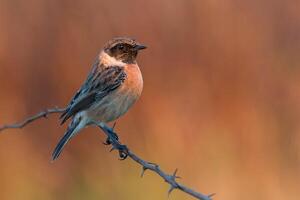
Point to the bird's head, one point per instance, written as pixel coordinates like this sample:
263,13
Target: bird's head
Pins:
123,49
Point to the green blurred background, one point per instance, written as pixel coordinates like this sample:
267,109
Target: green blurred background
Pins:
220,102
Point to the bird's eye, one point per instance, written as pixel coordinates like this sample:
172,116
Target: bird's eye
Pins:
121,47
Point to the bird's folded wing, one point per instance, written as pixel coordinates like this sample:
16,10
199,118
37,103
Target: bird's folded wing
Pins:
100,82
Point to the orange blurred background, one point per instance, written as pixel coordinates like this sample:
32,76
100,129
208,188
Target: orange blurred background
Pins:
220,102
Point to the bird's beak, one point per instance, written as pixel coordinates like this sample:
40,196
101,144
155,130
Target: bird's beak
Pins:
139,47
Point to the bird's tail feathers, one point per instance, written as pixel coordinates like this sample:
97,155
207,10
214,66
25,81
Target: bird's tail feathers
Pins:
76,125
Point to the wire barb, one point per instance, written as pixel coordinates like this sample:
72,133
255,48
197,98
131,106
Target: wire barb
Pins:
114,125
143,171
171,190
174,176
211,195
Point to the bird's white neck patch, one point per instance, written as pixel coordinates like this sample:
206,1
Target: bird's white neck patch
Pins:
108,60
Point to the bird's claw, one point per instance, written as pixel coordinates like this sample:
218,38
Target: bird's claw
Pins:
123,151
107,142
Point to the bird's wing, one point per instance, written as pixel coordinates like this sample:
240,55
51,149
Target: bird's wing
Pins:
99,83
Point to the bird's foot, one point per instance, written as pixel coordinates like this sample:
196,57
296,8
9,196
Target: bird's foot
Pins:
123,150
113,139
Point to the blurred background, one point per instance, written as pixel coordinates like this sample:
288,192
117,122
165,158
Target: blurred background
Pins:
221,99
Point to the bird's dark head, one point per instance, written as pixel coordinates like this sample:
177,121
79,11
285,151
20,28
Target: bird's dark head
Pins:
123,49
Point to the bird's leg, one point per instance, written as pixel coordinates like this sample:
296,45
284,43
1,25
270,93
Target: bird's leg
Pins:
108,142
111,135
113,139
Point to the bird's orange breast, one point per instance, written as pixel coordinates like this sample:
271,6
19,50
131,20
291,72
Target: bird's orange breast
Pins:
129,92
119,101
134,80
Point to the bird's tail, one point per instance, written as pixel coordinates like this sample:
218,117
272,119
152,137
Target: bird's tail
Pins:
75,126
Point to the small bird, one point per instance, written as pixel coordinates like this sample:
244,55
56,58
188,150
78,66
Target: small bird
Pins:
113,85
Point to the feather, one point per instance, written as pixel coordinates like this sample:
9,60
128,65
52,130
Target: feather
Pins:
76,125
100,82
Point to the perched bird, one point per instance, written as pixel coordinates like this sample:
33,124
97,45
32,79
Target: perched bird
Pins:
111,88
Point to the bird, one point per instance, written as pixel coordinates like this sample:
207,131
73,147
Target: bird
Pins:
112,86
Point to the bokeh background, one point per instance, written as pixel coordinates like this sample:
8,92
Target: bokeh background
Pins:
221,100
